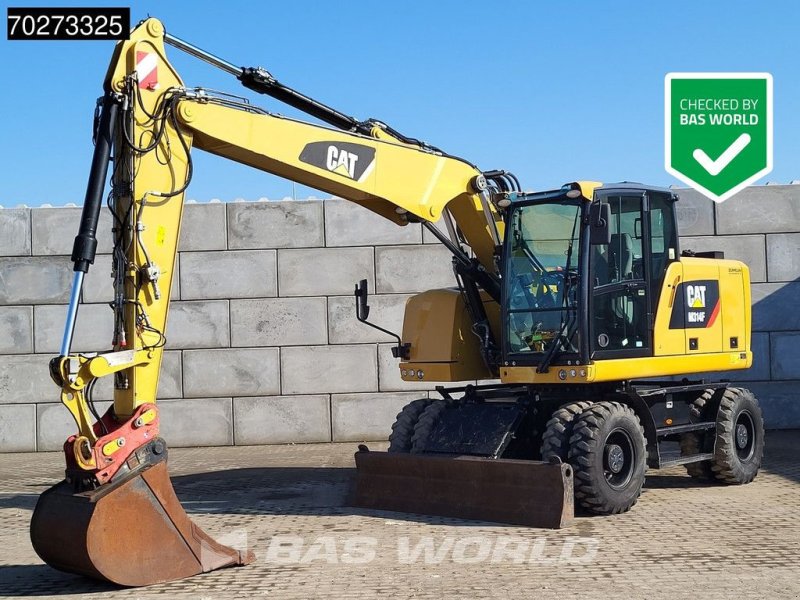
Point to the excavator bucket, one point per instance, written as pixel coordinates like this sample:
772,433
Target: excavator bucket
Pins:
131,531
518,492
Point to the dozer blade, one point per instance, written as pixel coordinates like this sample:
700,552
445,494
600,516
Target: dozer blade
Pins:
518,492
131,531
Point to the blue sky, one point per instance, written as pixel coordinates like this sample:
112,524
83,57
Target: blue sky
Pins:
554,91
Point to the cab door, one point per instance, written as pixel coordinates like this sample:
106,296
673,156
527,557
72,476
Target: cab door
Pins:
620,273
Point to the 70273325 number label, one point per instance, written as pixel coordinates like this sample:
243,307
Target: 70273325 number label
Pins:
37,23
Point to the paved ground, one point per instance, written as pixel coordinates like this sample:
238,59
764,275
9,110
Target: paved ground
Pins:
683,539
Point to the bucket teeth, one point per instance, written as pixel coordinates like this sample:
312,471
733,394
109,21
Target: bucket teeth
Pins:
132,531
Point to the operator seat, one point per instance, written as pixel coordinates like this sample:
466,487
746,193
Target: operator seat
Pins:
620,252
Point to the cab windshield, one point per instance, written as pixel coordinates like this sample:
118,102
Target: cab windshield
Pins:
542,278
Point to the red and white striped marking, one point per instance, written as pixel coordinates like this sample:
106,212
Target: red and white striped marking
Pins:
147,68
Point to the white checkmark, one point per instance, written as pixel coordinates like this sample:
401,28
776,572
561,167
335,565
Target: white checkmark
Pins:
714,167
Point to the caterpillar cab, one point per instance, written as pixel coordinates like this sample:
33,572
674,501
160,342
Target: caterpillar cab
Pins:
576,303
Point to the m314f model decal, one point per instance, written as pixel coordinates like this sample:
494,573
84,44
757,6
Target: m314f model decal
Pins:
696,305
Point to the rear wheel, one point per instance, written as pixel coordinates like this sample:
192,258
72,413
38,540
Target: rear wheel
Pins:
696,443
403,428
608,452
739,445
703,408
557,433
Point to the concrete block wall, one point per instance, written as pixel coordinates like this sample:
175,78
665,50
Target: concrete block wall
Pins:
761,227
263,344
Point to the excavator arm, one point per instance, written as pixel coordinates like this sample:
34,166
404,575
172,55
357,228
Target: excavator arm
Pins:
148,124
152,122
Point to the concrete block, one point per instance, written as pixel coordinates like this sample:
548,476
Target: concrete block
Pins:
282,419
350,224
25,379
760,371
313,272
54,424
775,306
94,328
198,324
98,285
385,311
197,422
18,428
695,213
329,369
785,353
429,238
16,329
278,322
234,274
366,417
15,225
412,269
750,249
780,402
235,371
290,224
760,209
389,374
783,256
35,280
169,380
203,227
54,230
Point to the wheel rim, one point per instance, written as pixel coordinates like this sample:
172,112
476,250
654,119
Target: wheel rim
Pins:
744,436
618,459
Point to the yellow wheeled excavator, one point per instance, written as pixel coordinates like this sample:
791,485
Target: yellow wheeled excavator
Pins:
577,302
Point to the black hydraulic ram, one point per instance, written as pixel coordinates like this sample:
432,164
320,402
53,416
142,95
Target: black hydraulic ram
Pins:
261,81
85,246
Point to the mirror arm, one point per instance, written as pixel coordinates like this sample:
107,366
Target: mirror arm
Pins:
361,293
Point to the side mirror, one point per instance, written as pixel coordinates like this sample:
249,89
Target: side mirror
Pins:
361,293
599,224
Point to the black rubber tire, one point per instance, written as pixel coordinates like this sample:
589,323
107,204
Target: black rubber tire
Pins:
703,404
693,443
403,427
427,421
601,422
733,464
558,431
704,407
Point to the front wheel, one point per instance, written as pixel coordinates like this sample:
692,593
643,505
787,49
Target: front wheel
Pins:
608,453
406,421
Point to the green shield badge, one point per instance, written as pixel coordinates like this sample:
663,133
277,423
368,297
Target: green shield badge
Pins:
718,130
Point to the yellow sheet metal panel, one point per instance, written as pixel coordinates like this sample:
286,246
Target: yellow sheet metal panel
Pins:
439,329
587,188
666,340
560,374
734,284
659,366
630,368
702,303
